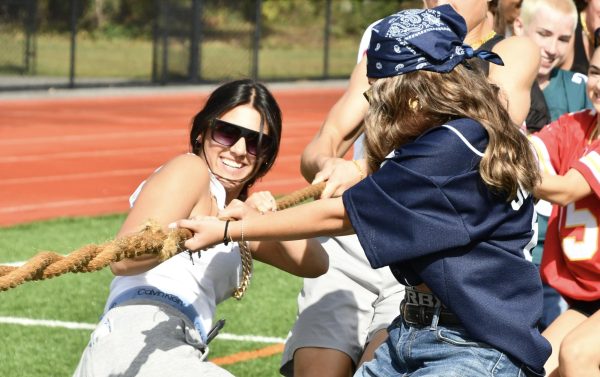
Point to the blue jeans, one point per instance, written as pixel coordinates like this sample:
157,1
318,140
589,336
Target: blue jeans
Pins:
437,351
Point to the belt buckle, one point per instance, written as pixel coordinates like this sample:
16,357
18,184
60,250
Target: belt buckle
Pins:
410,315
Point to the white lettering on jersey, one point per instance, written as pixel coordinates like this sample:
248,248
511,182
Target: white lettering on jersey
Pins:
585,246
518,202
531,244
516,205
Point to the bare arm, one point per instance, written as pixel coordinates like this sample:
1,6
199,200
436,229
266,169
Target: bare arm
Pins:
167,195
322,158
318,218
563,189
305,258
521,58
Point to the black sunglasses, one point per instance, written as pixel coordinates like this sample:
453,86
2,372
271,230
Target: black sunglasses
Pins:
228,134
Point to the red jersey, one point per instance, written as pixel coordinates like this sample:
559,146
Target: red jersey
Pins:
571,260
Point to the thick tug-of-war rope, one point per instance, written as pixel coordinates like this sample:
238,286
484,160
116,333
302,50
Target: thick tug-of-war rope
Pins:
151,240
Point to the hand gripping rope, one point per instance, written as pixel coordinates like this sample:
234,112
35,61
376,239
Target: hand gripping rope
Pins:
150,240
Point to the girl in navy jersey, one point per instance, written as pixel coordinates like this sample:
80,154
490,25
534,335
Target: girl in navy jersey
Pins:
446,207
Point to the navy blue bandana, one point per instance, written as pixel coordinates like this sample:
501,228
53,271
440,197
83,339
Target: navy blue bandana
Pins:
420,39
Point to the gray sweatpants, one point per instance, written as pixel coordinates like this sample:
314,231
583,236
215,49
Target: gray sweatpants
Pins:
146,339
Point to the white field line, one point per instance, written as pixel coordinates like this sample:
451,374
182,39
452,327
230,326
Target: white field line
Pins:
91,326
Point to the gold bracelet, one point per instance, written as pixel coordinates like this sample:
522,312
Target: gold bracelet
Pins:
360,169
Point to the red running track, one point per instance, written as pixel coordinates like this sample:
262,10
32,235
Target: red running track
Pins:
85,156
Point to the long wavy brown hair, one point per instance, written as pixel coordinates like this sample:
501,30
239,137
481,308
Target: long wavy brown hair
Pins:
394,119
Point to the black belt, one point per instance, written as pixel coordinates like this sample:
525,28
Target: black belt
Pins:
423,315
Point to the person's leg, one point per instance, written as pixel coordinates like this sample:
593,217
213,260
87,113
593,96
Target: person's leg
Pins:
580,350
556,332
386,361
334,314
312,361
150,340
385,309
377,340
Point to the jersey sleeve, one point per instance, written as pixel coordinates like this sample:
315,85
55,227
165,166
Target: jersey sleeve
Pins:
546,145
400,215
401,212
589,166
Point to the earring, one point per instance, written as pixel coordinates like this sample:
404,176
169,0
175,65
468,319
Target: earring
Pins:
414,104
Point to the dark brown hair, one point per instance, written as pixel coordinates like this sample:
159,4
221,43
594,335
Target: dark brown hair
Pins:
233,94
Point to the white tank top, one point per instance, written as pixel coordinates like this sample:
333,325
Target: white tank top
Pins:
205,281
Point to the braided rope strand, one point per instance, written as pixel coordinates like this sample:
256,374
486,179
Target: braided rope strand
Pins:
296,197
150,240
89,258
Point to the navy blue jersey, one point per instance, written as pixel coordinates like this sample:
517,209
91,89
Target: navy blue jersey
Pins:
428,215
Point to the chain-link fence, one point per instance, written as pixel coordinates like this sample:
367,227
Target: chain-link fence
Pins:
70,43
17,30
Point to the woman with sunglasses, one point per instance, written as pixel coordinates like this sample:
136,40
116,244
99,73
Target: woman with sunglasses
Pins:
158,316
